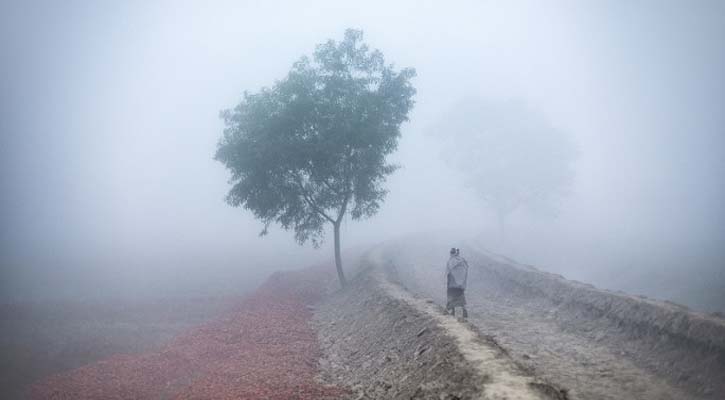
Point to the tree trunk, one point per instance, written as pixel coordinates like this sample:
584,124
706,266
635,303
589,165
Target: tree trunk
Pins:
338,259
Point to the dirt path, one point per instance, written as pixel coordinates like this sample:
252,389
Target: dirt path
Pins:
384,343
590,365
502,379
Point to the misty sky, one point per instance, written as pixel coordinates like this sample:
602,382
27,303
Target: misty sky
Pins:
109,121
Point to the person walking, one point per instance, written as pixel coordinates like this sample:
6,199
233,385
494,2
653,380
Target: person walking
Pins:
456,277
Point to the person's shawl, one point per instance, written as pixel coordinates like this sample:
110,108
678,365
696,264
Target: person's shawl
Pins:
456,272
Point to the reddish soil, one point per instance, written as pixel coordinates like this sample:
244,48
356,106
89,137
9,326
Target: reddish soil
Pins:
264,349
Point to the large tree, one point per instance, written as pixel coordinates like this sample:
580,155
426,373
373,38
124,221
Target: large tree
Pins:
510,155
312,148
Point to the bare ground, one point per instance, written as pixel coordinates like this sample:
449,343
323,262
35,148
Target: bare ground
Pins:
384,343
594,354
262,348
40,339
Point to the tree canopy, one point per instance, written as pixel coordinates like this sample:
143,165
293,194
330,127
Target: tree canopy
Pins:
312,148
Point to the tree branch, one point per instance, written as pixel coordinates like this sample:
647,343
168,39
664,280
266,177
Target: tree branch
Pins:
326,183
309,200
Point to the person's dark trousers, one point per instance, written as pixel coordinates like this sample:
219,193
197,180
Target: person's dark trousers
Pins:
456,298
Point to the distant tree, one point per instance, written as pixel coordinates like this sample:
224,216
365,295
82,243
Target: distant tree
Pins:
312,148
509,155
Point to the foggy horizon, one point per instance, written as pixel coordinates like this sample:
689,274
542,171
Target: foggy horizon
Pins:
110,121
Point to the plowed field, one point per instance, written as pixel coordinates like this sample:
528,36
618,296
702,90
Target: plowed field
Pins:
264,348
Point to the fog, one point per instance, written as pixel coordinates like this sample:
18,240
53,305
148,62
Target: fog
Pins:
110,119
